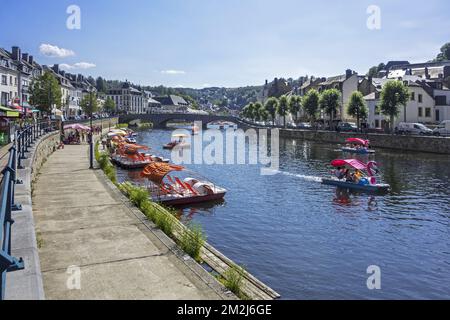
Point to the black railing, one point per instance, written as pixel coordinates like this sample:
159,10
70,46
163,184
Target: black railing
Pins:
23,140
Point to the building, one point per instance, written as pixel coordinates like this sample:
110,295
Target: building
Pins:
9,77
17,72
428,104
438,71
129,99
346,84
173,103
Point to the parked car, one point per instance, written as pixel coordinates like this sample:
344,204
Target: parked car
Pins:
443,129
347,127
304,125
413,128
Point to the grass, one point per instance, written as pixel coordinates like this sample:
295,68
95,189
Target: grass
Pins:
105,164
232,280
192,240
122,126
39,240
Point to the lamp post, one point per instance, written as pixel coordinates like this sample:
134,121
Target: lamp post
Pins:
91,134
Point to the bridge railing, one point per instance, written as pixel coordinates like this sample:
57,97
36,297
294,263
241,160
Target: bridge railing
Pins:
23,140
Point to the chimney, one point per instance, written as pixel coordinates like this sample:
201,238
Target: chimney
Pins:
370,79
348,73
56,68
427,74
30,59
25,56
16,54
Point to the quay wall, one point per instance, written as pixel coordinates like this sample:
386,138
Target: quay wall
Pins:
396,142
27,284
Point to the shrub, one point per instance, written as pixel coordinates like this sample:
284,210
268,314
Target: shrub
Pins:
164,222
122,126
138,196
192,240
233,280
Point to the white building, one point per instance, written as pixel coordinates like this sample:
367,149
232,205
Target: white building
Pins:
129,99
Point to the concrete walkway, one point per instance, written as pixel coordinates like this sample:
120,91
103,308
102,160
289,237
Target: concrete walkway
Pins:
80,223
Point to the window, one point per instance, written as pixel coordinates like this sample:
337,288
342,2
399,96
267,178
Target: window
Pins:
4,80
413,96
428,112
377,123
420,98
377,110
420,112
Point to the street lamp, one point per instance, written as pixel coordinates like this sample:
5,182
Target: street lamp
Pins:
91,135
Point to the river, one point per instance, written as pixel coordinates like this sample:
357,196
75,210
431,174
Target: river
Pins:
308,241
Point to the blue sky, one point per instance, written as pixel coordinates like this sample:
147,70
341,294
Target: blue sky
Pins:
197,43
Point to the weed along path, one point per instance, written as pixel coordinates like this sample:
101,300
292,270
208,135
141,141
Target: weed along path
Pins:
92,246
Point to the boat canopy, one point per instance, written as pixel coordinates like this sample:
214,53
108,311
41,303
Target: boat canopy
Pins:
156,171
358,141
77,126
352,163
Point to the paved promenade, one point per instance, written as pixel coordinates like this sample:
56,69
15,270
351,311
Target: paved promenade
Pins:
80,223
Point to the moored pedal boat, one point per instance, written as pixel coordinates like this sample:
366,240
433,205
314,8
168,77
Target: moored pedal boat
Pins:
174,191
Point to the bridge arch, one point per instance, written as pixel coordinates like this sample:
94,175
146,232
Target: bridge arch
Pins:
160,120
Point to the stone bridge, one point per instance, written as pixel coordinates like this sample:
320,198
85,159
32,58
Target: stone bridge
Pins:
160,120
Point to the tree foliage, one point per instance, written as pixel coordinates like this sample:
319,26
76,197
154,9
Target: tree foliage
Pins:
271,107
110,105
45,92
357,107
394,94
283,107
295,105
330,102
444,54
310,103
89,103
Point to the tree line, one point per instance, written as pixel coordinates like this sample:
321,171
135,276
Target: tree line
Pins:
394,95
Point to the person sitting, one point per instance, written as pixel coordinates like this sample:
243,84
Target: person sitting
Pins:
340,173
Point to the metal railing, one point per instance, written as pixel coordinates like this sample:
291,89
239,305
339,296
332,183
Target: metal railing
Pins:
23,140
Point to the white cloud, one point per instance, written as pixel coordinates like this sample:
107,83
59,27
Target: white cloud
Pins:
54,51
173,72
78,65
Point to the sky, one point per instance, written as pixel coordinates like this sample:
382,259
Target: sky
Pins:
227,43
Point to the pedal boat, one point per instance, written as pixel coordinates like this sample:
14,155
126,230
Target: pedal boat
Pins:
368,183
174,191
361,146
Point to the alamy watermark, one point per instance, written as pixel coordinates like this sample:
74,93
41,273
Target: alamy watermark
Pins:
229,147
73,22
74,278
374,19
374,280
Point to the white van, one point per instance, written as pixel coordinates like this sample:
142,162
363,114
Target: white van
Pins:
443,129
413,128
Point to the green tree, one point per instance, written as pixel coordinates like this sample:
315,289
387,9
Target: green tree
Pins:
249,111
357,107
445,53
89,103
110,105
394,94
329,102
45,92
310,103
271,107
101,85
258,107
282,109
373,72
295,105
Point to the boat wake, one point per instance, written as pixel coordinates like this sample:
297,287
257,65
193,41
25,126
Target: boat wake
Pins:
300,176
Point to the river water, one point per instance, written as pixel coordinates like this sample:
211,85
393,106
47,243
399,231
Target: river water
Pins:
309,241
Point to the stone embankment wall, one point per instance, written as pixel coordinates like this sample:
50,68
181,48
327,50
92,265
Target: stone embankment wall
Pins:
397,142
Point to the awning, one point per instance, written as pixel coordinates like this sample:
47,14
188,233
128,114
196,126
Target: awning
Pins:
9,113
156,171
